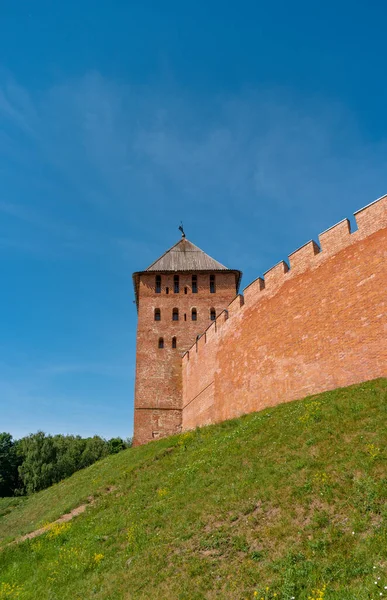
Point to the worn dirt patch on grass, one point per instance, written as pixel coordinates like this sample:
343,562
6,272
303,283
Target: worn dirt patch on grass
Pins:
63,519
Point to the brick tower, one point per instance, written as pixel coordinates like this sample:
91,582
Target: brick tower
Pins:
176,297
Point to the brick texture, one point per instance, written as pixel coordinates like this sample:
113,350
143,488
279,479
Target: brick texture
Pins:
319,325
158,394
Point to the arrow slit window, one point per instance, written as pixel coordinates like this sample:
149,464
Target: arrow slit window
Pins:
194,284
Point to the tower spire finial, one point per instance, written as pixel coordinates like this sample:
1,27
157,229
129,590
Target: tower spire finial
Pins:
181,228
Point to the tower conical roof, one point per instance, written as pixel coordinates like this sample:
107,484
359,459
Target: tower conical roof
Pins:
184,256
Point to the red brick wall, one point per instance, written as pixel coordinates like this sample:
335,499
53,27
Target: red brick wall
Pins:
319,325
158,394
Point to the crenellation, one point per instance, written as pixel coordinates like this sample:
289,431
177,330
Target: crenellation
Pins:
302,258
235,306
211,331
253,290
336,237
372,217
221,319
274,277
201,342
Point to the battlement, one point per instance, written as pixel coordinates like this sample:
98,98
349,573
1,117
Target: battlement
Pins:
372,217
282,339
369,219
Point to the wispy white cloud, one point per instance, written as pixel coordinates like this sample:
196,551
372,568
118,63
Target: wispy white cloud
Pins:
145,156
17,107
103,369
258,147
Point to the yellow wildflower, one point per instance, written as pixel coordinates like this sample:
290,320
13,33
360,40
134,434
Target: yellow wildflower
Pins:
56,529
9,591
97,558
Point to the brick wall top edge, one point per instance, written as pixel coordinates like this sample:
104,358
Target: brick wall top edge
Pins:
302,258
194,345
200,341
304,246
384,197
373,217
335,238
280,265
257,279
236,304
332,240
217,324
336,225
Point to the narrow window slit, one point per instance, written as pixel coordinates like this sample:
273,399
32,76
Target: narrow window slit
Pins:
194,284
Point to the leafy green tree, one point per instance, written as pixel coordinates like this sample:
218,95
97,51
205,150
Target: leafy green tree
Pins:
69,450
95,449
40,460
9,462
38,454
116,445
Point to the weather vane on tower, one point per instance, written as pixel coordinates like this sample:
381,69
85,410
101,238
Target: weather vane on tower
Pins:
182,229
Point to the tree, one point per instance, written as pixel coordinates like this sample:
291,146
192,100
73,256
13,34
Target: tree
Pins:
9,463
95,449
38,460
116,445
38,468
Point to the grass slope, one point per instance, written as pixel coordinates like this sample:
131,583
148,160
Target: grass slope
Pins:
291,499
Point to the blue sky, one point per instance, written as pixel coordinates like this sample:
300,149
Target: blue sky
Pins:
259,124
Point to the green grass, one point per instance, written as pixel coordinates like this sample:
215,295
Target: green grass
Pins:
292,498
7,505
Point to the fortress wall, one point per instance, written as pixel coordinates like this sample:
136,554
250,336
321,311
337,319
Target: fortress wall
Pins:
315,326
199,366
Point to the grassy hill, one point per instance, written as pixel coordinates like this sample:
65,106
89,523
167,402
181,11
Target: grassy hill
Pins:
286,503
